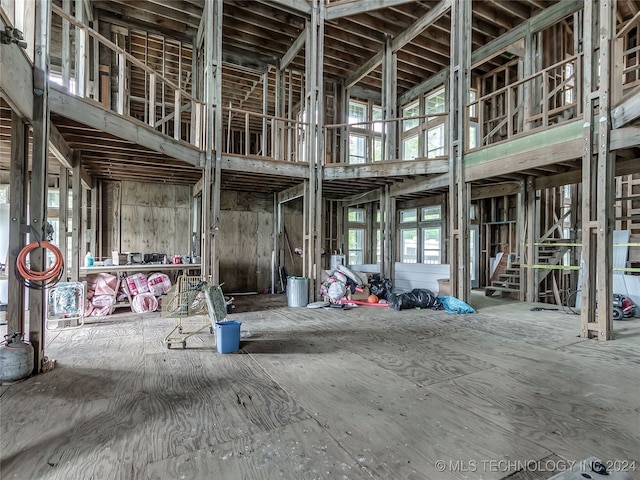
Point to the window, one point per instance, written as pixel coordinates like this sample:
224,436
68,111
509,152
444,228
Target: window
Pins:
357,148
410,215
431,245
435,137
412,110
421,226
431,213
356,246
356,215
410,147
376,114
378,129
357,112
365,138
4,193
436,103
408,244
356,235
424,133
435,141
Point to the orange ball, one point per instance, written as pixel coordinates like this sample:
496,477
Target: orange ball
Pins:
373,299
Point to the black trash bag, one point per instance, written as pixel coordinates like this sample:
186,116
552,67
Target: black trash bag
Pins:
351,285
380,287
417,297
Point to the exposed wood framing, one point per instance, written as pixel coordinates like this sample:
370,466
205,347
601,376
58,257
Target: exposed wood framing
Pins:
598,166
63,217
528,275
18,94
98,118
314,95
389,95
63,153
38,184
18,213
459,86
77,222
296,191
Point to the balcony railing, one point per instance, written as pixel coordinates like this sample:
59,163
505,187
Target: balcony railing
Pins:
167,107
255,134
627,55
549,97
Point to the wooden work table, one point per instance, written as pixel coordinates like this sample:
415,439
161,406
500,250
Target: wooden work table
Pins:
140,268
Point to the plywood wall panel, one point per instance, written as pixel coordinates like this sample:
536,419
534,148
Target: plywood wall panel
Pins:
155,218
237,251
265,235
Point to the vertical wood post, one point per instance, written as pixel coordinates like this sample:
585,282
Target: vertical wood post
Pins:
529,279
77,220
63,213
81,51
18,215
459,86
389,98
598,167
38,188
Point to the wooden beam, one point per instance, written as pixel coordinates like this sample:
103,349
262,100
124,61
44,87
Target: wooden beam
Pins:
385,169
273,167
76,221
16,88
104,120
38,183
459,189
347,8
625,137
64,154
538,22
361,198
63,214
627,111
433,82
422,185
290,54
197,188
421,24
290,193
401,40
497,190
294,5
18,214
363,70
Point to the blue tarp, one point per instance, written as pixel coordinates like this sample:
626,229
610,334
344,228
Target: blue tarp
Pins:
455,305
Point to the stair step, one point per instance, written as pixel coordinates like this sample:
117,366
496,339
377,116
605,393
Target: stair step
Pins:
509,276
489,291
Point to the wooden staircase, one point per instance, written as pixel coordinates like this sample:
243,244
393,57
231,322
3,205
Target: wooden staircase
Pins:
505,280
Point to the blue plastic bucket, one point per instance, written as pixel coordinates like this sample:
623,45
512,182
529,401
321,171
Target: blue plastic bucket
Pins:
228,336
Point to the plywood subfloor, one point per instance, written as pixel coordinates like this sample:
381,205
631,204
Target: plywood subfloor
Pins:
358,394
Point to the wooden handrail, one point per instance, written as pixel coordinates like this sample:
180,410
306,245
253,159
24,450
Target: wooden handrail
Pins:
112,46
628,26
262,115
524,80
387,120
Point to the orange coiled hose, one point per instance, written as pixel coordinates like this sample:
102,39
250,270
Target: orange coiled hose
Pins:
51,273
